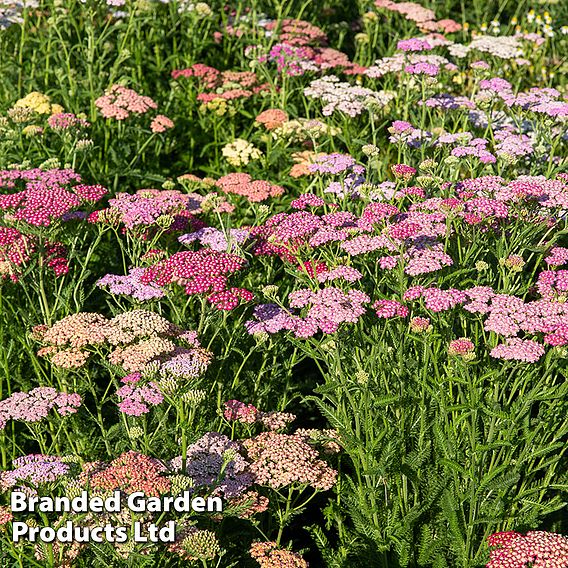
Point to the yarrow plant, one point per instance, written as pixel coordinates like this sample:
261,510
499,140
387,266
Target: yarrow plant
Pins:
306,259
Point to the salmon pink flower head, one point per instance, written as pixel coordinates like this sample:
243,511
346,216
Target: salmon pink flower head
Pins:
119,103
272,118
243,184
281,460
161,123
269,555
130,472
5,515
136,339
297,32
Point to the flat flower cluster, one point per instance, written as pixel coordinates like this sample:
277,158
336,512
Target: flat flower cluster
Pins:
120,102
34,469
238,411
148,207
268,555
40,197
135,339
280,460
535,548
253,190
36,404
130,472
205,271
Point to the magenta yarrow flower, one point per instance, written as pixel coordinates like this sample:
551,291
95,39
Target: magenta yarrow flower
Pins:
389,309
413,44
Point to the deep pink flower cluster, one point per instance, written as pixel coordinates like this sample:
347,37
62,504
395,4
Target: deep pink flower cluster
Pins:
16,250
403,171
307,200
120,102
36,404
536,549
201,272
46,195
390,308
